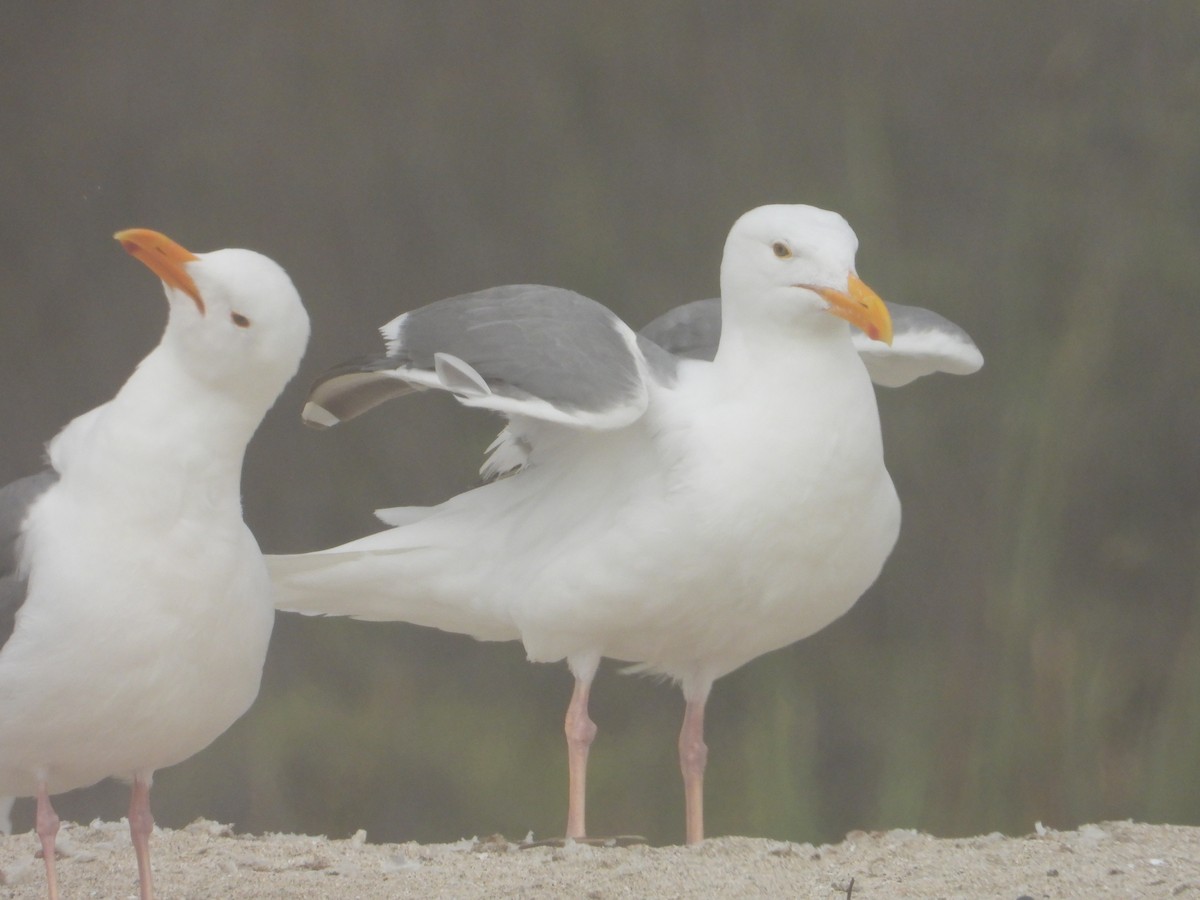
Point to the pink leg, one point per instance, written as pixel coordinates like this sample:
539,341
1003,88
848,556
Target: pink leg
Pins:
47,831
580,730
141,824
693,755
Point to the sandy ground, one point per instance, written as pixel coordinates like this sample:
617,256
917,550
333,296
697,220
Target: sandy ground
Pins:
207,860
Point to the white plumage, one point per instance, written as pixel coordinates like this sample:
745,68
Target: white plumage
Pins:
720,510
146,608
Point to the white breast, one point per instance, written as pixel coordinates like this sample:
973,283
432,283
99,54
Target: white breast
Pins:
138,644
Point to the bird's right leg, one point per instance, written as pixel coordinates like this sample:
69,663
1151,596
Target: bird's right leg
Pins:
46,826
581,731
693,755
141,826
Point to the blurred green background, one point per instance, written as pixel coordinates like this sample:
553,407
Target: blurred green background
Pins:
1032,171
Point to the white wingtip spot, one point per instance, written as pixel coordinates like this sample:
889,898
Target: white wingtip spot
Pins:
391,333
312,414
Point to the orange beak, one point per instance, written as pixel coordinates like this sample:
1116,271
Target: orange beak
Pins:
860,306
163,257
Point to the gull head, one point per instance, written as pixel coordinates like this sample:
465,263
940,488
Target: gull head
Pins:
236,321
792,267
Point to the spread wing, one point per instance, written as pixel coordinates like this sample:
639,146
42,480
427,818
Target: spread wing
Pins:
923,342
522,350
542,356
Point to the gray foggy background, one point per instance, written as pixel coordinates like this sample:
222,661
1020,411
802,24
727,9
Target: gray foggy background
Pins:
1032,171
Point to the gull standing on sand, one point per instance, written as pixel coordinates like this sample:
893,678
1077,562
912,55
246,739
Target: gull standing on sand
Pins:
674,501
135,607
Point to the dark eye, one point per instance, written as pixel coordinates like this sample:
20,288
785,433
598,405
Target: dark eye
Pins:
239,320
782,250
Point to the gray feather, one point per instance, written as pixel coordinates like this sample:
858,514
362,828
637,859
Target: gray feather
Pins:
527,340
690,331
924,342
520,342
15,500
346,391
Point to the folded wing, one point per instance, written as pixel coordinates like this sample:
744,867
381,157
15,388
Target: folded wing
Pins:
15,500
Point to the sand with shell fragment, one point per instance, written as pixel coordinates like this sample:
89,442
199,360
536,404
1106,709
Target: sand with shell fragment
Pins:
208,860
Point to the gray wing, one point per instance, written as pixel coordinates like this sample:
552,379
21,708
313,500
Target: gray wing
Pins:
523,350
923,342
691,331
15,500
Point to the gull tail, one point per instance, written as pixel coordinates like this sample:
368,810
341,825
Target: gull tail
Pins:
320,584
399,584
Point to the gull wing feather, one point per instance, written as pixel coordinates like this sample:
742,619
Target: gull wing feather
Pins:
924,342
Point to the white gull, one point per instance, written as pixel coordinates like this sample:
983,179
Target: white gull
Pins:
684,500
135,607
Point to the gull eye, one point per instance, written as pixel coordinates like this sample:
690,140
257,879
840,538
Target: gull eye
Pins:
782,250
239,320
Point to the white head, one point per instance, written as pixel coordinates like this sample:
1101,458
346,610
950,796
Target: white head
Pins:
786,266
236,321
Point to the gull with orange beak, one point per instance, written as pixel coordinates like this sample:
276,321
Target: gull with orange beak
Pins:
683,500
135,607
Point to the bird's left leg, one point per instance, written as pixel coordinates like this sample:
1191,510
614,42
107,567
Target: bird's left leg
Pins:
693,756
141,824
46,826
